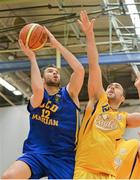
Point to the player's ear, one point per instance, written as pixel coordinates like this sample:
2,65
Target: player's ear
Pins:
43,80
123,99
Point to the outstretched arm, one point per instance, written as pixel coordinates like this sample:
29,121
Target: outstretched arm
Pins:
137,84
133,119
36,80
95,87
77,77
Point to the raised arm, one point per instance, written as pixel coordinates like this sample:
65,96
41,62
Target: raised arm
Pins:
137,84
36,80
133,119
77,77
95,87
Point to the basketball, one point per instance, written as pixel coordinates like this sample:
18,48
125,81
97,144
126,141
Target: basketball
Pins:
33,35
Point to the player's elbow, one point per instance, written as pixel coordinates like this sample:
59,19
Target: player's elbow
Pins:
80,71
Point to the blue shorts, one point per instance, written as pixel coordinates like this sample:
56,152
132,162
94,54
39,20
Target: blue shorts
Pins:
52,166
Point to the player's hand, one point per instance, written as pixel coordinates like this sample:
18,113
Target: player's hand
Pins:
28,52
52,40
137,82
85,23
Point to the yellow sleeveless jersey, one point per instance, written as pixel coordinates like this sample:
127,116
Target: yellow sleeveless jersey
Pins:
97,138
127,163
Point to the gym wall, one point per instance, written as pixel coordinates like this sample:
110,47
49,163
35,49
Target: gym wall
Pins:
14,125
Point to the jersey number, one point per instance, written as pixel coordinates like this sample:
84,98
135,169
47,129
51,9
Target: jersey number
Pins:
45,113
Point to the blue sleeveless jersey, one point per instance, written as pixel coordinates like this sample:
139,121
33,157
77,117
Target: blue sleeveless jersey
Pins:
53,125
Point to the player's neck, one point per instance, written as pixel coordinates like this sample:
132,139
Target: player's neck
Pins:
52,90
114,106
113,109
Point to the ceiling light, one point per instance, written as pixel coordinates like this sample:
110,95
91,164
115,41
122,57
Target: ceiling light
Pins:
17,93
11,57
134,15
7,85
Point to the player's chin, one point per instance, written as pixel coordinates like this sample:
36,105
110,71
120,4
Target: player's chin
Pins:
111,96
56,80
57,83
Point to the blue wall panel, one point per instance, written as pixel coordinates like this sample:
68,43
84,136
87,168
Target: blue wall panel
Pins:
117,58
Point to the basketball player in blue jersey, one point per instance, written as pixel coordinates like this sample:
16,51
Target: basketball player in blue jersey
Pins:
49,149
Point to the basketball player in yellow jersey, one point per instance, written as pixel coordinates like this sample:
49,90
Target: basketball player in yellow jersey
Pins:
102,124
127,156
127,162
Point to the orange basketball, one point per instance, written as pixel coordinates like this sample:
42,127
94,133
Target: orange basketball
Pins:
33,35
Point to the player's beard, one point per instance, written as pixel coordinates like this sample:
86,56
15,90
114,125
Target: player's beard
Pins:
53,83
112,96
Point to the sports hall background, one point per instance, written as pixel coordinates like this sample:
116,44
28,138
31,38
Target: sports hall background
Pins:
117,32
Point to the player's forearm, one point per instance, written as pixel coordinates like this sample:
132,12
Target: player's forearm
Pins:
137,85
36,80
70,58
95,87
92,51
138,92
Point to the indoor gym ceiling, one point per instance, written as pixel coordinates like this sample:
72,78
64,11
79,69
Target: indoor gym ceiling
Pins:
114,32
